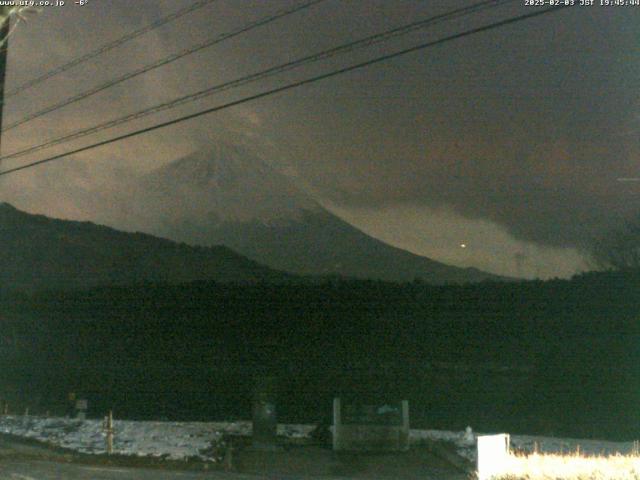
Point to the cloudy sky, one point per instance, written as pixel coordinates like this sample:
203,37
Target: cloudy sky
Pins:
521,143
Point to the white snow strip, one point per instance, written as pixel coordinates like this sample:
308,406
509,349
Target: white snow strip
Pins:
201,440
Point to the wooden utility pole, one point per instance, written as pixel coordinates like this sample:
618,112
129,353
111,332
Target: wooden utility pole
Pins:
4,38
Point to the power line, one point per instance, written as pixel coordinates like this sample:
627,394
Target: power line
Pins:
361,43
290,86
109,46
165,61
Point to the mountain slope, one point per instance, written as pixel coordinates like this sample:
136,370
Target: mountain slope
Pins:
40,252
321,243
229,196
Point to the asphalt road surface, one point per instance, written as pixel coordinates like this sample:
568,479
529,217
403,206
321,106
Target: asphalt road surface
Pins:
48,470
20,461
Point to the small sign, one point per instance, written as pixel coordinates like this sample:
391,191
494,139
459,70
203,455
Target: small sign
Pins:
82,404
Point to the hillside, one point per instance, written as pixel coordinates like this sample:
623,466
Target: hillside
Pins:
40,252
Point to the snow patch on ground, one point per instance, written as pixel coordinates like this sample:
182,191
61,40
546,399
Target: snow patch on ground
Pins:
199,440
172,440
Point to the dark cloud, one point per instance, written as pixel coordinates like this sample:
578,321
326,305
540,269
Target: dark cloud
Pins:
529,127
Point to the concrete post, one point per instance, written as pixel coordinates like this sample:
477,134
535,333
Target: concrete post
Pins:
403,443
337,423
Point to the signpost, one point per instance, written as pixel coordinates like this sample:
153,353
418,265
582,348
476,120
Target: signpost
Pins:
82,406
265,395
265,420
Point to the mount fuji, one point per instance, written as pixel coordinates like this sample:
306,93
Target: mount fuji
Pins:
226,195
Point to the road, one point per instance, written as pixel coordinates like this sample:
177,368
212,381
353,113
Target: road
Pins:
49,470
20,461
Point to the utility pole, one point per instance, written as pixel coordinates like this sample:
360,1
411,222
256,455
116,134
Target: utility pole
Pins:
4,46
